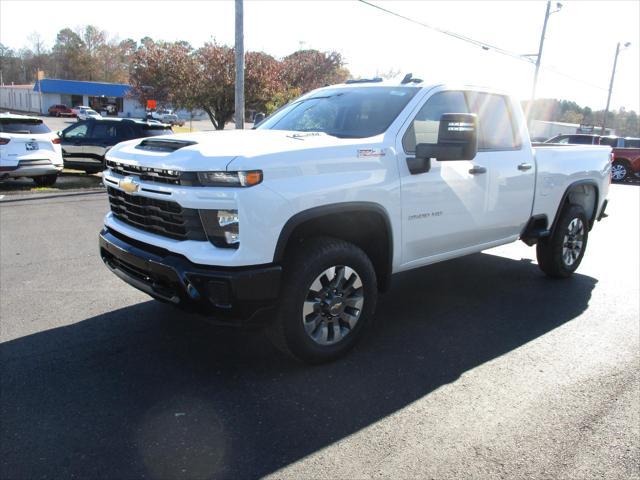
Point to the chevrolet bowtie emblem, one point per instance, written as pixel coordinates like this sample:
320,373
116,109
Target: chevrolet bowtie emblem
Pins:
129,185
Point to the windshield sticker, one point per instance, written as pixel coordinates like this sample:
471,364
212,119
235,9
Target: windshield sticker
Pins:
371,152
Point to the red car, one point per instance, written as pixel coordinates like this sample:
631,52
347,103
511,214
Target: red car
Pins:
60,111
626,152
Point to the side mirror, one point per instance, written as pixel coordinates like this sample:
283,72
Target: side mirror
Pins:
60,134
457,140
258,117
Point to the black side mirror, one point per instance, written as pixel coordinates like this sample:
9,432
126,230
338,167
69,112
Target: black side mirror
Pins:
457,140
258,117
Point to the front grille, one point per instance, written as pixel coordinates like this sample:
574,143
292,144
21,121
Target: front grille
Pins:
161,217
147,174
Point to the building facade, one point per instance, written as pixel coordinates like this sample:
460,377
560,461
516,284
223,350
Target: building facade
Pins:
108,99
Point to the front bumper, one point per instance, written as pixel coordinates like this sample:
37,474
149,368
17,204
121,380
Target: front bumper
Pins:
233,296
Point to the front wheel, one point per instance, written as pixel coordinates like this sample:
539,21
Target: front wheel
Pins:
328,298
560,254
619,171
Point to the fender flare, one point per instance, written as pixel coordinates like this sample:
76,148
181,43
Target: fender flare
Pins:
343,207
565,195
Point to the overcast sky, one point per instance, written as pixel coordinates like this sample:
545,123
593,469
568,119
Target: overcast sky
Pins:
580,41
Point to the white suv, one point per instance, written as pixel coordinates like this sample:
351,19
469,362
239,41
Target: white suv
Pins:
28,148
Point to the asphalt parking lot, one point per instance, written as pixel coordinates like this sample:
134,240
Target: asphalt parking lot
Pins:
475,368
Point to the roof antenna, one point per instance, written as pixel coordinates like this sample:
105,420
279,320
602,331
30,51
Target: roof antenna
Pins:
406,79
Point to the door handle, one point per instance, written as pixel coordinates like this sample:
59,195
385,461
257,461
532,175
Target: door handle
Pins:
475,170
525,166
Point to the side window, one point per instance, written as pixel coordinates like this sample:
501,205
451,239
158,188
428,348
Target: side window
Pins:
124,131
424,128
103,130
494,121
562,140
79,131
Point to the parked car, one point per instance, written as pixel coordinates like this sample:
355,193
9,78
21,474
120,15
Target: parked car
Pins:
87,113
626,152
299,223
28,149
76,109
85,143
576,139
172,119
60,111
166,116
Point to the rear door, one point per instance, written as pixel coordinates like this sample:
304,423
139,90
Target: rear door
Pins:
510,169
103,136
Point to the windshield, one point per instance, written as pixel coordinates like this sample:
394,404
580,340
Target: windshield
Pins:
357,112
91,112
14,125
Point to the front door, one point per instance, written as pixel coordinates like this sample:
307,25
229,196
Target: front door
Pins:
74,141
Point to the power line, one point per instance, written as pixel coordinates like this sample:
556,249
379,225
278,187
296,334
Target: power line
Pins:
483,45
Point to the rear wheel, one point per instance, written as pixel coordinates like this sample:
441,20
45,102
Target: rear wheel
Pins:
45,180
560,254
619,171
327,300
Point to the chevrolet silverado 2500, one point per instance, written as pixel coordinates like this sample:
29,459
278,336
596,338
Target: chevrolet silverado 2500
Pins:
301,222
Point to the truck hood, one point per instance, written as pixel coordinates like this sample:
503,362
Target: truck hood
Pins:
216,150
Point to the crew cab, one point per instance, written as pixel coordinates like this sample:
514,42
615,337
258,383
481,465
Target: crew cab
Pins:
300,223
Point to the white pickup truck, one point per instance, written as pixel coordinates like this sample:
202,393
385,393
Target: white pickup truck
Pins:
301,222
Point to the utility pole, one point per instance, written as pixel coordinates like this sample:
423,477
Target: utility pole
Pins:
613,74
538,59
239,66
538,56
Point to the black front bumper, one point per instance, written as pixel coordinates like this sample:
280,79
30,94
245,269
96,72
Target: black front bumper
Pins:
239,295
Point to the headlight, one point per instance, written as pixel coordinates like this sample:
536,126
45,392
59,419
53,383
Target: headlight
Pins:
222,227
230,179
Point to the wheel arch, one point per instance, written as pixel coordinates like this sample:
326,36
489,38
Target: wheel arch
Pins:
350,221
579,193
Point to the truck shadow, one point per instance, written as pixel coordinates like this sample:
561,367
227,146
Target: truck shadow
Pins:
147,391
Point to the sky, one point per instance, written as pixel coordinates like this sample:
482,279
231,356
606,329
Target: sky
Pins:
577,58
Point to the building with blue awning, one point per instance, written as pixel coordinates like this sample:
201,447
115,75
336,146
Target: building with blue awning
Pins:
107,98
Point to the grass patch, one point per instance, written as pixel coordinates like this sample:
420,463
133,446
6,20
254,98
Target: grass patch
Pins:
184,129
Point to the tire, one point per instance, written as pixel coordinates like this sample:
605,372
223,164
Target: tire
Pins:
560,254
45,180
91,171
619,171
316,323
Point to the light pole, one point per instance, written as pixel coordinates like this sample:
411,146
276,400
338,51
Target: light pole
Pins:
613,74
239,66
538,56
